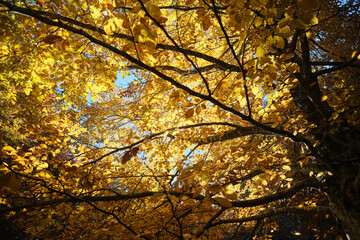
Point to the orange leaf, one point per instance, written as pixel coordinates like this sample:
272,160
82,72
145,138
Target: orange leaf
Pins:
189,113
51,39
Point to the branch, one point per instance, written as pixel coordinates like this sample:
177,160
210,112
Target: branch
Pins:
158,134
246,177
232,134
276,196
274,212
177,7
351,63
176,45
32,13
255,229
307,95
227,39
242,204
180,71
210,222
243,71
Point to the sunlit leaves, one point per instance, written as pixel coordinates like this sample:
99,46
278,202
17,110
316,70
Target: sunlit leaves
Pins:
145,34
214,110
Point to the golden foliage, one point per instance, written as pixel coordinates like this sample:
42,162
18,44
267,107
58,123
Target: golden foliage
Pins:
231,107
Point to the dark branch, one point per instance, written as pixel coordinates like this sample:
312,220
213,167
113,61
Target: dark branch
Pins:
274,212
180,71
232,134
118,197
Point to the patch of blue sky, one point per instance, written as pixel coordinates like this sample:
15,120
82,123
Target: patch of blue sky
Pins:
119,82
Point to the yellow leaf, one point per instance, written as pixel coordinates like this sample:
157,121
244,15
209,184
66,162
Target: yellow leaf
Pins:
154,10
150,42
309,18
286,56
286,168
269,41
354,54
42,166
260,51
324,97
255,90
223,202
27,91
136,9
146,35
279,42
93,98
203,183
285,32
229,192
110,27
307,5
175,94
8,149
258,21
284,22
292,67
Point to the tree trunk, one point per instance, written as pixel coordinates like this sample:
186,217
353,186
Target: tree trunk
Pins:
343,191
345,212
343,188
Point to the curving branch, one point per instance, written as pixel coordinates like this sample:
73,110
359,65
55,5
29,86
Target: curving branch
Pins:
283,194
154,135
33,13
278,195
274,212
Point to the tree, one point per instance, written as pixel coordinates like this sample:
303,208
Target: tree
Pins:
241,113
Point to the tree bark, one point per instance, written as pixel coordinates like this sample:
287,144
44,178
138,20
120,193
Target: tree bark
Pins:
343,188
343,207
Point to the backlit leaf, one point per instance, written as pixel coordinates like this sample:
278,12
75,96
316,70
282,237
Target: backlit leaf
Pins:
223,202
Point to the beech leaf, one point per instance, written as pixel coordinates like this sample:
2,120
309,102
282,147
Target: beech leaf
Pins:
223,202
52,39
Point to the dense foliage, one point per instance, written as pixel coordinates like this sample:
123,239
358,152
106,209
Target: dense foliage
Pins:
242,119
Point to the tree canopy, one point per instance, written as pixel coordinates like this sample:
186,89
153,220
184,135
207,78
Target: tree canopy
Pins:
242,115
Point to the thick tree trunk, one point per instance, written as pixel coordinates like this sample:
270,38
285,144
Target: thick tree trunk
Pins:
343,188
341,155
345,211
